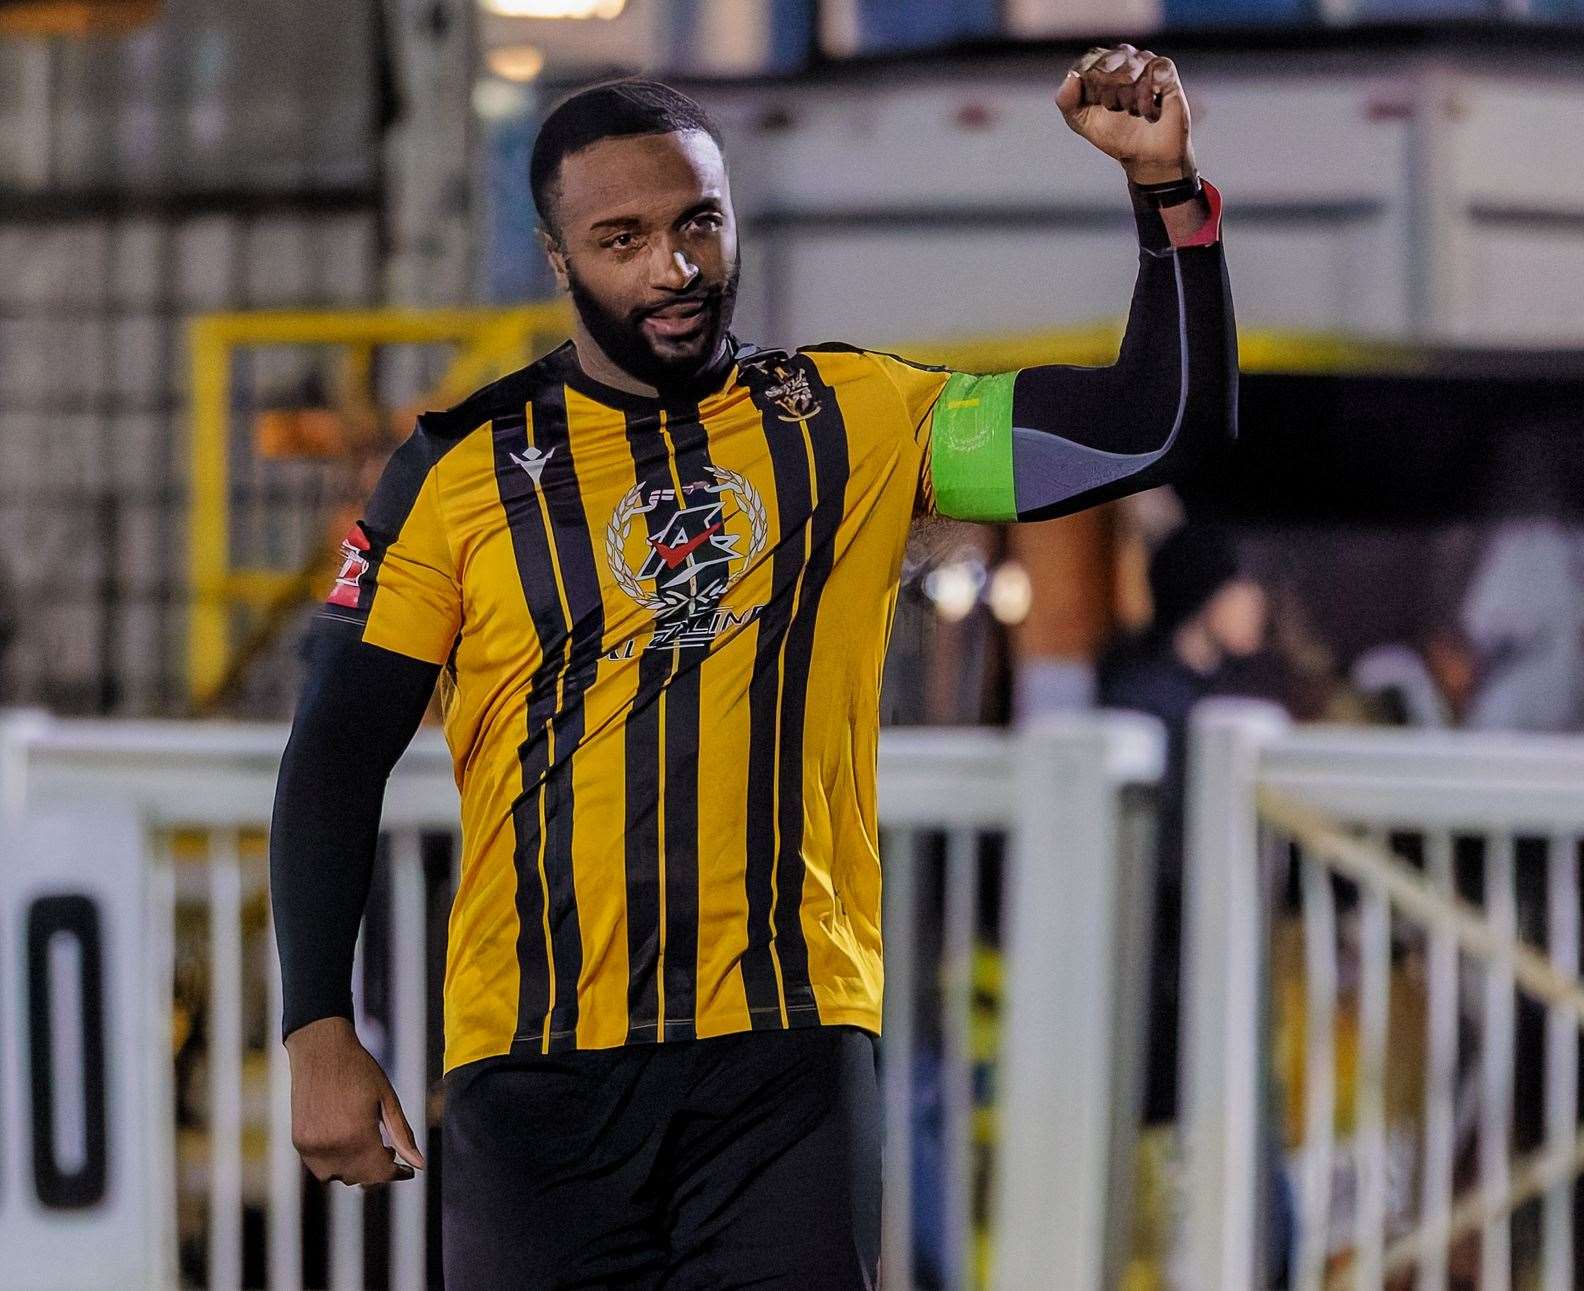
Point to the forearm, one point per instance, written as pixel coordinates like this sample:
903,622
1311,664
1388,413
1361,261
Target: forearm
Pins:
1047,441
359,709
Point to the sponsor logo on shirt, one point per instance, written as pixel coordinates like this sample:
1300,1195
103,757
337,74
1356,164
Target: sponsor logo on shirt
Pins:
679,552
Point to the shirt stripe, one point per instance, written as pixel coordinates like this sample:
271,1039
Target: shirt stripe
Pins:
690,470
824,437
645,855
561,590
535,967
775,965
582,605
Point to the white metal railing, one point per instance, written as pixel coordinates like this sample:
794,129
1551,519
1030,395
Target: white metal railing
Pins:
1060,793
1341,804
217,782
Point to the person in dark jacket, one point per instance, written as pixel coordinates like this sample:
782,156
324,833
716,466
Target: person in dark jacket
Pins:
1208,616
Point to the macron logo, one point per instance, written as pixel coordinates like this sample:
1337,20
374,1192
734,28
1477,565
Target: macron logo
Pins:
533,461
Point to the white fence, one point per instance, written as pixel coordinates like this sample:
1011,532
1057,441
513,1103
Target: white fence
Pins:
201,796
1380,826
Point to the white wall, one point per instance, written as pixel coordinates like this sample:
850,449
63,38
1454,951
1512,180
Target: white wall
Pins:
1406,197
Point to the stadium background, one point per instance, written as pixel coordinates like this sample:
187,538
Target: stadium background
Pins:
242,241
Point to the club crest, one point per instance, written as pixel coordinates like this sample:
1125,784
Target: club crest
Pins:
791,393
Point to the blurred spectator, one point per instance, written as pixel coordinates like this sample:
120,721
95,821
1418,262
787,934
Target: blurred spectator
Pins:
1524,614
1425,685
1523,611
1207,616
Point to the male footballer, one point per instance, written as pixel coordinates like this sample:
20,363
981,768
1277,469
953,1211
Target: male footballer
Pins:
660,566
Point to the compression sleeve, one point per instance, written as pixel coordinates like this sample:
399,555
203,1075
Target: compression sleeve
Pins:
359,708
373,654
1046,441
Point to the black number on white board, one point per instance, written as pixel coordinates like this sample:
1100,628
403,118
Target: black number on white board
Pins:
75,1043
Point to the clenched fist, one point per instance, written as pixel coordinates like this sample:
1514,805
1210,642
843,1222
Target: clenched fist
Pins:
1129,104
340,1098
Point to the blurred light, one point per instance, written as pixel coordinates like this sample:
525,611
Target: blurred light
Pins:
954,590
495,100
34,18
1011,593
554,8
516,62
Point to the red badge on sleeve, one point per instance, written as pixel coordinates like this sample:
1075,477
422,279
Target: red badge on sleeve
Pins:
1209,232
354,564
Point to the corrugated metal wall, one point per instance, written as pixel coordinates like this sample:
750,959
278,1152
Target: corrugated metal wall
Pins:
225,157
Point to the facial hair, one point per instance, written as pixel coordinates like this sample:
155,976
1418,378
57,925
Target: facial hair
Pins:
622,338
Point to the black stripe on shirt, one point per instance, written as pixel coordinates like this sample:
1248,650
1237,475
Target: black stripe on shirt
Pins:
690,447
544,885
775,964
827,436
573,551
652,473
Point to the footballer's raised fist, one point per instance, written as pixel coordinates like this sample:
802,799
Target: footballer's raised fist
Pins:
1129,104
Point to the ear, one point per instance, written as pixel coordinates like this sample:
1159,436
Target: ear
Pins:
556,257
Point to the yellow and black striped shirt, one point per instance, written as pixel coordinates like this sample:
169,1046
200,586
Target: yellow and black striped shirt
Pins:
666,624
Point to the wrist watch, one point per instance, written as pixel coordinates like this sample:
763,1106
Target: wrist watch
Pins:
1174,192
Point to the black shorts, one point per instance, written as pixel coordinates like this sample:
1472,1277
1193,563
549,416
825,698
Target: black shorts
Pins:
748,1160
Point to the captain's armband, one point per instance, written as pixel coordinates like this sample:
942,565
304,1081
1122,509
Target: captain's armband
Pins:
971,448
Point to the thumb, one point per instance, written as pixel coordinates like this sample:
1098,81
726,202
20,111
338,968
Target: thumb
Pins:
1069,98
396,1126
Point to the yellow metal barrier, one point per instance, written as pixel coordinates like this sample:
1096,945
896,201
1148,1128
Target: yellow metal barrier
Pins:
1259,350
488,343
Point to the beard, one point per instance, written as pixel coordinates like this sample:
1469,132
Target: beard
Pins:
623,339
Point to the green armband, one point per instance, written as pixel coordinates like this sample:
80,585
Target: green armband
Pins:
971,448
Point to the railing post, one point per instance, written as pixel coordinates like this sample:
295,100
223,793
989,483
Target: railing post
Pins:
409,1070
896,1063
1223,960
1054,1167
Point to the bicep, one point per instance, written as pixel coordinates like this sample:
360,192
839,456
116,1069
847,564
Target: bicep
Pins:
1032,444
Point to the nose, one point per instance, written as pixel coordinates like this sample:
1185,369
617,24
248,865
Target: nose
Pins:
673,271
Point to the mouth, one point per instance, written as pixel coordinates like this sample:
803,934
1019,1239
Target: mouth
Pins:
678,322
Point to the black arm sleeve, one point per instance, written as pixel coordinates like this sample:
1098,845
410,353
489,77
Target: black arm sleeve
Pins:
359,709
1087,435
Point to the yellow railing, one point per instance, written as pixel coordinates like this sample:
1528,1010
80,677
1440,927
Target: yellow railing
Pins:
487,343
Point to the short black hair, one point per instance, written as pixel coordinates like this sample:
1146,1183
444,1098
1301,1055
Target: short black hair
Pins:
614,109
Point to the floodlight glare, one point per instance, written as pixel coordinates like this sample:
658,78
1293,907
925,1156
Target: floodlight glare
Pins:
515,62
554,8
